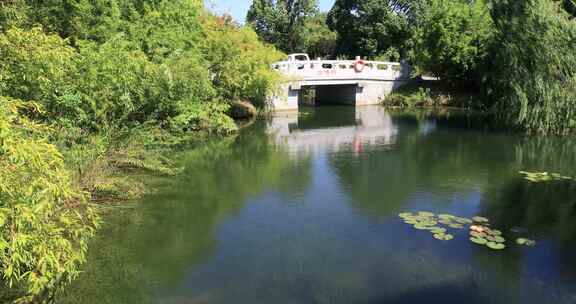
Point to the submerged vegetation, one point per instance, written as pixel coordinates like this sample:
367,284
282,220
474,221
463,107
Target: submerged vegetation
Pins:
90,89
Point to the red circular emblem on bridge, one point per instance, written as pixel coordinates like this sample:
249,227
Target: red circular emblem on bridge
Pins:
359,66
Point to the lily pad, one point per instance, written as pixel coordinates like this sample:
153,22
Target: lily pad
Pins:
536,177
421,227
479,241
490,238
495,246
437,230
478,234
525,241
443,236
480,219
495,232
430,223
478,228
456,226
446,216
499,239
411,221
405,215
463,220
425,214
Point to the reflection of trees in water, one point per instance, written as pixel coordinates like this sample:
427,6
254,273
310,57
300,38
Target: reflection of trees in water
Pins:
546,207
152,246
452,155
381,181
545,211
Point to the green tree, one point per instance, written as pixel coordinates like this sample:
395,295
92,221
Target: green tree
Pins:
282,22
320,41
451,39
533,77
369,27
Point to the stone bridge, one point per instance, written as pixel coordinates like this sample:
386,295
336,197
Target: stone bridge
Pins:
345,82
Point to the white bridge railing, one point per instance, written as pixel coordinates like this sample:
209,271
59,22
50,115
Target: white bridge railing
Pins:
343,70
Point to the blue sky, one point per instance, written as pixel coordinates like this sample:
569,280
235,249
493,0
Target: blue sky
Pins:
238,8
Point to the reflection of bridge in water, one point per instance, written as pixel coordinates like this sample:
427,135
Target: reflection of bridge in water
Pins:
333,129
349,82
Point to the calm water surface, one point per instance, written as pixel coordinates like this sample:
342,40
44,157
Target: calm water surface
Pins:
302,208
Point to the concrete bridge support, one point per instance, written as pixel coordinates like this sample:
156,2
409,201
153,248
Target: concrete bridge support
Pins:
290,96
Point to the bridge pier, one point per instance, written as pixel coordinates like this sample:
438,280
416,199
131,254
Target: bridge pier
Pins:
290,96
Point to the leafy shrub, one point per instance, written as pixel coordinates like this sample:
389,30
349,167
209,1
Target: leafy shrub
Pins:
45,223
239,63
452,40
37,66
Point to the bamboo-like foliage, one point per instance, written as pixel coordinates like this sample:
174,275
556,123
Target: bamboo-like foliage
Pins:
45,224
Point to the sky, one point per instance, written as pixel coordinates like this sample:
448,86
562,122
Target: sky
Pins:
238,8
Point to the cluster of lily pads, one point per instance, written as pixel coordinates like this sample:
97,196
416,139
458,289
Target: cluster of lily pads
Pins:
537,177
484,235
480,231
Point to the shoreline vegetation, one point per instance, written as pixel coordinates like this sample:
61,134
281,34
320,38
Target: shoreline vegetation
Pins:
431,94
92,92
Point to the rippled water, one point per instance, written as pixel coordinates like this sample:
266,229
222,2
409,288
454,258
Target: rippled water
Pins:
302,208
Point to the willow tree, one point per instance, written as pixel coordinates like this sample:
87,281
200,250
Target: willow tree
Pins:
534,72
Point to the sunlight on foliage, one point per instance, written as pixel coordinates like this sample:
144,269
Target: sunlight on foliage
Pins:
45,223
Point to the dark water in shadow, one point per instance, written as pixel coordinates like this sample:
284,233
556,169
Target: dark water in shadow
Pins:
303,209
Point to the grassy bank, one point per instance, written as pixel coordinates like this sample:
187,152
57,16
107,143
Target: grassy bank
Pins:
432,93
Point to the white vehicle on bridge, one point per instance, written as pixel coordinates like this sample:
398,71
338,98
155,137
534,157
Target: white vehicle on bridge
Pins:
352,82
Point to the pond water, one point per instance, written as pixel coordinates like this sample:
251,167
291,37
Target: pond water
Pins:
303,208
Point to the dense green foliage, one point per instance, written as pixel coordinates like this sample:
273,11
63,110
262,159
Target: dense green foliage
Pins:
45,222
282,22
533,78
368,28
320,41
292,26
451,39
519,55
111,79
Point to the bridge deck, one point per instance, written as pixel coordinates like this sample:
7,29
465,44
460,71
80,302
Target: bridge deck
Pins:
342,70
